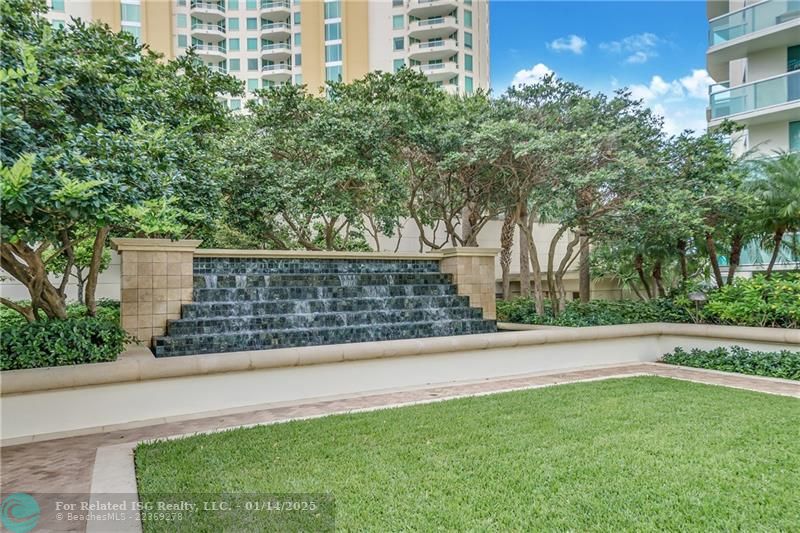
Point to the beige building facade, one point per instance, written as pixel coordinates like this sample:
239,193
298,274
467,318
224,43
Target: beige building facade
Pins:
754,58
269,42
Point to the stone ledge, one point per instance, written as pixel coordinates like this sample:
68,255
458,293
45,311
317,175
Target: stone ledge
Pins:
138,363
153,245
313,254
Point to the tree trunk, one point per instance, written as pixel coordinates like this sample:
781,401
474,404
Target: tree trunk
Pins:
533,254
506,247
81,282
584,274
524,258
562,270
638,265
657,278
712,256
25,264
551,257
777,239
682,259
94,270
736,256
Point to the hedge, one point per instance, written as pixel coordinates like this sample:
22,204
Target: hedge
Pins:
76,340
784,364
594,313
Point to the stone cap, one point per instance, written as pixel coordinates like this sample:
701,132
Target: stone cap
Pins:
318,254
469,251
154,245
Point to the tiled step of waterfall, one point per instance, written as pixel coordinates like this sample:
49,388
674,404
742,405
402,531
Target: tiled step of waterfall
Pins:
242,281
233,324
339,305
257,294
248,265
260,340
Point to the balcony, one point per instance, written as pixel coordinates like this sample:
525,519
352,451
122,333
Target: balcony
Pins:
431,8
440,49
439,71
209,11
276,31
210,51
765,25
204,30
433,27
771,99
276,8
276,51
279,72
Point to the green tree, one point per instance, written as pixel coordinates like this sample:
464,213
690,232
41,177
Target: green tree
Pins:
93,122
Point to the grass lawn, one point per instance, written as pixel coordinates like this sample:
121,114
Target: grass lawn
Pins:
641,453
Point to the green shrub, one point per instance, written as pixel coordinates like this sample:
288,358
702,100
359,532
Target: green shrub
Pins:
783,364
76,340
757,301
594,313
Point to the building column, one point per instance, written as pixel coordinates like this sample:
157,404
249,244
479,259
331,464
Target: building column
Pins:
473,274
157,278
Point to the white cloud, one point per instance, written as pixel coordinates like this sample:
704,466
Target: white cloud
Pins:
682,101
638,48
572,43
531,75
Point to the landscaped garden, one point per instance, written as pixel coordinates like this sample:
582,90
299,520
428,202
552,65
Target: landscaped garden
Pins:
640,453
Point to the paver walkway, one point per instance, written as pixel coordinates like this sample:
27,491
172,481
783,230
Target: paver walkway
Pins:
65,465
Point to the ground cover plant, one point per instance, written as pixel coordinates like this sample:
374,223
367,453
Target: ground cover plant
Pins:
77,339
634,454
783,364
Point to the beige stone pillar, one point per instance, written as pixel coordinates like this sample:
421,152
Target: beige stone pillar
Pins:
473,274
157,278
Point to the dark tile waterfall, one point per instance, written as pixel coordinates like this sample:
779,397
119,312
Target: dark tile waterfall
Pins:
255,304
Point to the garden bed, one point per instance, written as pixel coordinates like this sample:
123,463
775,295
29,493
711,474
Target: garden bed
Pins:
630,454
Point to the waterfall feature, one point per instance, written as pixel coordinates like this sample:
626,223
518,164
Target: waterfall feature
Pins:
254,304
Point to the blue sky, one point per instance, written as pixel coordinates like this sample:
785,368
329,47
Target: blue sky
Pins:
655,48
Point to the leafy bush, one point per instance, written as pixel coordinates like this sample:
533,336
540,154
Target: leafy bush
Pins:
783,364
594,313
49,342
757,301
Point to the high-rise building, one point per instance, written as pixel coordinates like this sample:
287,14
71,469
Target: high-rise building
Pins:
266,42
754,58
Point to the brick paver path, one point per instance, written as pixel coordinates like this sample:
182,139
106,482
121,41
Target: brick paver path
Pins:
65,465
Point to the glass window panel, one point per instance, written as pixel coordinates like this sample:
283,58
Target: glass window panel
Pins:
233,24
234,65
333,10
233,45
399,43
252,44
252,23
398,22
333,32
333,52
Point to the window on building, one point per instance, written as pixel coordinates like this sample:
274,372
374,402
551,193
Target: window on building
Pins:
235,104
468,85
252,23
234,65
333,52
252,64
297,17
397,3
467,18
57,6
180,20
136,31
130,13
298,79
398,64
298,60
298,39
468,62
233,45
233,24
267,83
181,3
399,43
333,73
182,41
468,2
251,4
252,84
793,58
467,39
333,31
333,9
794,136
398,22
252,44
58,23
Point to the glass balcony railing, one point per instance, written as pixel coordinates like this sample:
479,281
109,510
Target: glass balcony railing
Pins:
275,4
752,19
206,27
757,95
210,6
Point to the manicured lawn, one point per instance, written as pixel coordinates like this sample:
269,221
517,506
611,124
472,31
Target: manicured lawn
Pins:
640,454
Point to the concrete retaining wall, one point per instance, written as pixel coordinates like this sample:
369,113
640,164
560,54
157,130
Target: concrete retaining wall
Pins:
137,390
